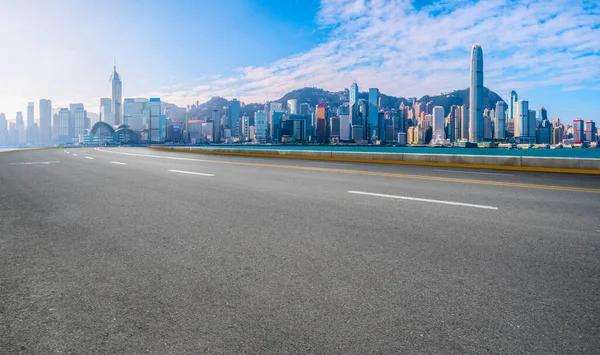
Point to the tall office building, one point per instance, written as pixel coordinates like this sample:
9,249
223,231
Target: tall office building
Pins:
544,131
105,112
464,123
438,123
500,121
45,120
260,126
590,131
79,115
514,98
524,122
3,130
321,124
454,123
116,89
63,126
292,106
354,110
233,116
72,109
30,114
304,108
476,95
136,113
157,122
373,115
578,131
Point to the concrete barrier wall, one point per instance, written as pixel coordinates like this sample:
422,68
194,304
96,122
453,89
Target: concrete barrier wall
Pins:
542,164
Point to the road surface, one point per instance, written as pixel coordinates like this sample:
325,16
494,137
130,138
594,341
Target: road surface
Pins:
135,251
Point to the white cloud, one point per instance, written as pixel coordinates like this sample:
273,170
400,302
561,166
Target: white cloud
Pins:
406,51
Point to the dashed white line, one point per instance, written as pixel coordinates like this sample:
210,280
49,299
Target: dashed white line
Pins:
190,172
471,172
74,154
90,158
35,163
118,163
424,200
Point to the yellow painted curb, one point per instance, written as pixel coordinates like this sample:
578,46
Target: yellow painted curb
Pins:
382,161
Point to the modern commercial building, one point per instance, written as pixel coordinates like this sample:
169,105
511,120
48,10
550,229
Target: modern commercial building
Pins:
476,95
438,123
157,127
464,123
292,105
304,108
514,98
335,127
275,127
233,115
544,131
30,114
72,109
454,122
3,130
590,131
321,123
374,132
354,109
63,129
244,128
578,131
116,88
45,120
524,125
260,126
500,121
345,127
136,113
558,134
79,117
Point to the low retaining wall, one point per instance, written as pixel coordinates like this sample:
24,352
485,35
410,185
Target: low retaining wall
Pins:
540,164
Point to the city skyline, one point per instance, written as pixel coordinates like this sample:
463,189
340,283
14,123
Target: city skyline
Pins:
549,60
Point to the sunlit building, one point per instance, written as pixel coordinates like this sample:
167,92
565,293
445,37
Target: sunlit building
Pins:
116,89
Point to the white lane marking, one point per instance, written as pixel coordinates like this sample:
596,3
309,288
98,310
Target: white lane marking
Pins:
35,163
190,172
74,154
424,200
471,172
90,158
118,163
66,151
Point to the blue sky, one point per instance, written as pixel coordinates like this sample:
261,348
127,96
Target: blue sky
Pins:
184,51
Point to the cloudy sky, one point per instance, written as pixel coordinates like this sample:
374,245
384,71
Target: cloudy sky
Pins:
187,51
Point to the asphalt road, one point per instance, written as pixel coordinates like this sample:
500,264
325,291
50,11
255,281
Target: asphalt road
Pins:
134,251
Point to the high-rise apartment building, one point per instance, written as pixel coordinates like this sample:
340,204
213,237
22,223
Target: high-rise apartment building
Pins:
45,120
116,89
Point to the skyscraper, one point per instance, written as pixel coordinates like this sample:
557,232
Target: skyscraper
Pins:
464,122
373,132
233,116
45,120
63,126
590,131
438,123
500,121
354,109
514,98
30,114
476,95
73,108
578,131
106,111
79,115
3,130
260,126
116,89
321,124
292,106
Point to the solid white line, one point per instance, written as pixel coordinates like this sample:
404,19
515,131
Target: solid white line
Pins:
190,172
118,163
471,172
424,200
89,158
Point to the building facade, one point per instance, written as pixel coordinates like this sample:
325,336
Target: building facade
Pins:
476,95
